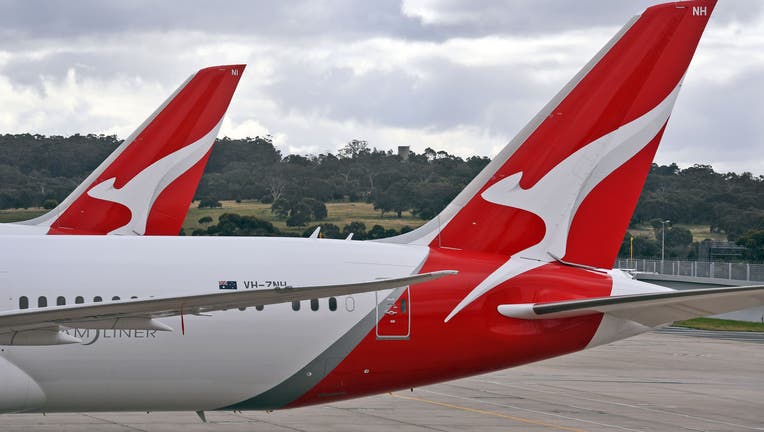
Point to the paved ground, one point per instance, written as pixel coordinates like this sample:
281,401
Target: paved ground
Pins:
665,381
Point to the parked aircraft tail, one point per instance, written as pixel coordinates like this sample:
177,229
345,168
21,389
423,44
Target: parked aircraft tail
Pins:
146,185
566,186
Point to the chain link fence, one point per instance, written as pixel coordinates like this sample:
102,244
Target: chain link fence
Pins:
711,269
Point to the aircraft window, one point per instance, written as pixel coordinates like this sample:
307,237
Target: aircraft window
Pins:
242,309
332,304
349,304
259,307
296,305
23,302
60,301
79,299
115,298
133,297
314,304
42,301
403,305
97,299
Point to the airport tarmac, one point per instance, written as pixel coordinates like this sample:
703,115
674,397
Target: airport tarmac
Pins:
672,380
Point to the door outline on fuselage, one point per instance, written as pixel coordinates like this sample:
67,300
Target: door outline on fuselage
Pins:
390,310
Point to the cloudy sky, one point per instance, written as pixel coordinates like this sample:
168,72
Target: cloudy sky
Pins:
457,75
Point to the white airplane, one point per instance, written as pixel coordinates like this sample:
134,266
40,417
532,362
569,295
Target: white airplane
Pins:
146,185
516,269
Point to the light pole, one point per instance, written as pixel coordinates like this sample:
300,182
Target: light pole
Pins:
631,249
663,240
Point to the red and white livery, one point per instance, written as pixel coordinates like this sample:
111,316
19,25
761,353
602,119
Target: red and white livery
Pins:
146,185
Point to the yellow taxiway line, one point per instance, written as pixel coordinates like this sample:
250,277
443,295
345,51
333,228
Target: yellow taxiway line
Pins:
490,413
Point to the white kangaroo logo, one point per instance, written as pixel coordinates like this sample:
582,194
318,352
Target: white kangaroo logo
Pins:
555,198
139,194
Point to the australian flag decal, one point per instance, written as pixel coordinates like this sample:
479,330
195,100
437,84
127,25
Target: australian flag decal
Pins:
227,284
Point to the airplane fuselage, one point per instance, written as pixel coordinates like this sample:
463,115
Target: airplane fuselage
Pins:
281,355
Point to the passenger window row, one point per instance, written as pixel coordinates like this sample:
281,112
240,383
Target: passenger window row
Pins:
314,304
42,302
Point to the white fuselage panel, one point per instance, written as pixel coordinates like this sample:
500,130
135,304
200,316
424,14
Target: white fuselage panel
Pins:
223,358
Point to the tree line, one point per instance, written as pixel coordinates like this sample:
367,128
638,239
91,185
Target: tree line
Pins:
37,169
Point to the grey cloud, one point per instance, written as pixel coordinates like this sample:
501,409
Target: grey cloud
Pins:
449,95
63,19
29,72
337,19
481,17
720,123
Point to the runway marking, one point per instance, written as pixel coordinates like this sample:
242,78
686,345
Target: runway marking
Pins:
550,414
490,413
253,419
363,412
519,408
116,423
557,389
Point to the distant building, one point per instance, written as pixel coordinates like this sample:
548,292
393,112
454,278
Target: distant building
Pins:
403,152
709,250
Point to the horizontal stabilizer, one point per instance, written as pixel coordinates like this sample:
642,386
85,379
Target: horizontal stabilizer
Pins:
139,313
651,309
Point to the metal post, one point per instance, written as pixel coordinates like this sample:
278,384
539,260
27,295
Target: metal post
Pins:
729,270
748,272
631,247
663,240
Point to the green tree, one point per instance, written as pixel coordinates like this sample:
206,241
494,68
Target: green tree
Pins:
281,208
358,229
754,242
49,204
318,209
299,214
644,247
209,203
232,224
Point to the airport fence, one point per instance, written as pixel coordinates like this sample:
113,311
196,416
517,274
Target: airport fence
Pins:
711,269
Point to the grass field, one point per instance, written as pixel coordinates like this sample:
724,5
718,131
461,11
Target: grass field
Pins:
340,214
721,324
14,215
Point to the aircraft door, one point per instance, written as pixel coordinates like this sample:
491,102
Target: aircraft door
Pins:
394,315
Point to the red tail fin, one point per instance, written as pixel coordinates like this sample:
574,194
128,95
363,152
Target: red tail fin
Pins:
566,186
146,185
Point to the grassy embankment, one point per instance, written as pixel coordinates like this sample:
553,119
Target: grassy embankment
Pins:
13,215
721,325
